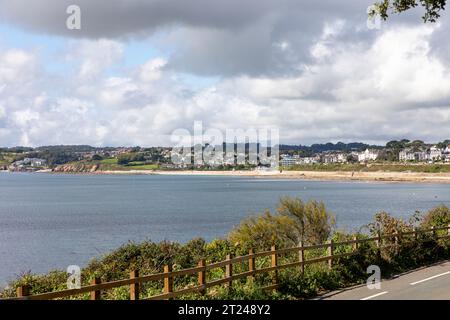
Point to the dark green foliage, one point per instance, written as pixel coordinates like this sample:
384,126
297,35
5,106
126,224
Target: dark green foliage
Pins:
126,158
393,257
314,281
432,8
97,157
437,217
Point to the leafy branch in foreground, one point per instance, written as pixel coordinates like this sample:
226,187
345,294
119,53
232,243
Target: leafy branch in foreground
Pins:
432,8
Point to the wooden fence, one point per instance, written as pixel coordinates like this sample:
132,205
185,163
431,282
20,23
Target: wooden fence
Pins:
135,280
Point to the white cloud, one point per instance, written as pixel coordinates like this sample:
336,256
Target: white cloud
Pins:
391,86
94,56
16,68
2,112
151,71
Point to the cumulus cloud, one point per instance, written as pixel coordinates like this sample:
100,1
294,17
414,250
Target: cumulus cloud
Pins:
312,69
92,58
233,37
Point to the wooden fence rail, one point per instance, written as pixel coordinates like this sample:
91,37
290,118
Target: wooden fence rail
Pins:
167,277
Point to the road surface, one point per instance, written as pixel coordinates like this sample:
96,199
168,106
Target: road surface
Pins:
430,283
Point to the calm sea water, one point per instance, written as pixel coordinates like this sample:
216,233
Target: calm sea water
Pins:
52,221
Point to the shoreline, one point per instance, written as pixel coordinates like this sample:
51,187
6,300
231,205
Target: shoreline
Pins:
379,176
376,176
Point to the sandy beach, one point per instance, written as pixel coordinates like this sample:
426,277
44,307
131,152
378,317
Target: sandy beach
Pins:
381,176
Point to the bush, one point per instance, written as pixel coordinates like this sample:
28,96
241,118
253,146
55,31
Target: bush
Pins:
295,222
259,233
313,222
436,217
315,280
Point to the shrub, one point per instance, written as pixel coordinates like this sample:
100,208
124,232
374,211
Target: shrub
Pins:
295,222
261,232
315,280
294,218
312,221
387,224
436,217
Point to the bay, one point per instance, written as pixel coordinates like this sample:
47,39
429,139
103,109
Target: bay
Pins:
52,221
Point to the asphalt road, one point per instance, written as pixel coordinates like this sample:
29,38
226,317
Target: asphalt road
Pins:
430,283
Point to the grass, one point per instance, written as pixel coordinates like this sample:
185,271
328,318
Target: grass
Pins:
109,161
142,167
111,164
7,158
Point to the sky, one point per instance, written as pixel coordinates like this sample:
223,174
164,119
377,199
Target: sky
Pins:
140,69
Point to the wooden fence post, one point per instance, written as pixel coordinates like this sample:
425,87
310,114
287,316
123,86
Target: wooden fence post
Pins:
134,287
355,244
330,254
168,280
448,230
23,291
415,233
251,264
301,258
95,295
274,264
396,237
202,275
229,271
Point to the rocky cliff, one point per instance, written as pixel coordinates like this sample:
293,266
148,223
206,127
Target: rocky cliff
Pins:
78,167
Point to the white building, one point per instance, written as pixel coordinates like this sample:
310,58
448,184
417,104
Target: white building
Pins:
334,158
368,155
422,156
406,155
32,162
410,155
446,155
436,153
288,161
309,160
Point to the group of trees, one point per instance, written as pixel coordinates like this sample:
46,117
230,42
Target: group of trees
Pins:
148,155
393,148
126,158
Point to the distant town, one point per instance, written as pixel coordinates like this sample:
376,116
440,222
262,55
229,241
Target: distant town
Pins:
394,151
92,159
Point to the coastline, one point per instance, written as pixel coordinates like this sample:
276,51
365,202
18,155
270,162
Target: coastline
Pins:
377,176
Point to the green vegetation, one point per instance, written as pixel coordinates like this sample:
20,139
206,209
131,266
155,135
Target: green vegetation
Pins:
109,161
293,222
296,222
432,8
111,164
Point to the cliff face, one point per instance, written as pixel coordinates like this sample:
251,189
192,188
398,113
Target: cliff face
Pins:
79,167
